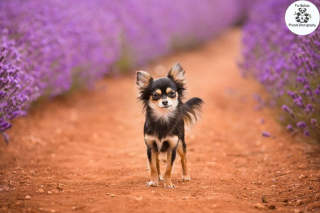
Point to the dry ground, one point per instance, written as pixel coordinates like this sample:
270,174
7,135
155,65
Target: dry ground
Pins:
85,152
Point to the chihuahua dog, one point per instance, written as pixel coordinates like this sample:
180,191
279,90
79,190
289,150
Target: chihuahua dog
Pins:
166,119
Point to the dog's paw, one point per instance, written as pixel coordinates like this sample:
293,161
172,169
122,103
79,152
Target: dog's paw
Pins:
160,177
152,183
186,178
169,186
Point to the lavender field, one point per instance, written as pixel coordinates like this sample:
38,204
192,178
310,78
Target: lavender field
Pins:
287,65
49,47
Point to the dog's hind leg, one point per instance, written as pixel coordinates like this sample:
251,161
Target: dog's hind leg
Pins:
183,152
152,157
171,155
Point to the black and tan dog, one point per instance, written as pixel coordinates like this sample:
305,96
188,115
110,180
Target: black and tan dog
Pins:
166,119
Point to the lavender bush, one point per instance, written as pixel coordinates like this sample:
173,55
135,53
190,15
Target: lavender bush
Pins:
49,46
287,65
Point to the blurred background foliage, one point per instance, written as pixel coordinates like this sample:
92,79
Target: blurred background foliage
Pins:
48,48
286,64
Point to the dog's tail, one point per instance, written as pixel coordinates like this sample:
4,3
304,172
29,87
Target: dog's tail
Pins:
191,111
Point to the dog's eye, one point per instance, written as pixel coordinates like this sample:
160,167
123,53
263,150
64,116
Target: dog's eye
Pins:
155,95
171,93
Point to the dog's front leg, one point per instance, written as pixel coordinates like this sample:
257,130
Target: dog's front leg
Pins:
152,157
171,156
158,169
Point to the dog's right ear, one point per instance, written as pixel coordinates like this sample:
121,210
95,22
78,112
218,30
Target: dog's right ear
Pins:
143,79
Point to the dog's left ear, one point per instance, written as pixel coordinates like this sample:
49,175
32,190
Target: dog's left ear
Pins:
143,79
177,74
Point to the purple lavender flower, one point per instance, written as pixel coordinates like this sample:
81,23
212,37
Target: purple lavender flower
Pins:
266,134
5,137
286,108
309,107
301,124
313,121
289,127
309,93
299,101
307,87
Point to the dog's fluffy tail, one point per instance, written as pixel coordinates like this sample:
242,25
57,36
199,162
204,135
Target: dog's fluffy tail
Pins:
191,111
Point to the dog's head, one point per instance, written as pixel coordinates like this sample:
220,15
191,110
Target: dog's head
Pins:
164,94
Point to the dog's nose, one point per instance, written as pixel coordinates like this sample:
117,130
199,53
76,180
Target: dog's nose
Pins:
165,102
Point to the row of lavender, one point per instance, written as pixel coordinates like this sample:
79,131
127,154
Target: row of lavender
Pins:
286,64
46,47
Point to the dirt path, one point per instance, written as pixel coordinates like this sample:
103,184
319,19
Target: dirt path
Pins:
85,153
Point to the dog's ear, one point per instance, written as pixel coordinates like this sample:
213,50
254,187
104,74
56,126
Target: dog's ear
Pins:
143,79
177,74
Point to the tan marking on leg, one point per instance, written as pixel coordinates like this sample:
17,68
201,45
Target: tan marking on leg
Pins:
185,175
158,169
167,175
153,169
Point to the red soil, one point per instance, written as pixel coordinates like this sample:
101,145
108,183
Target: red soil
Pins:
85,152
